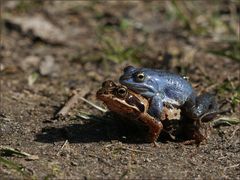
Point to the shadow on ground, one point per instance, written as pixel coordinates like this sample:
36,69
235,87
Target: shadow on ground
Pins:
116,129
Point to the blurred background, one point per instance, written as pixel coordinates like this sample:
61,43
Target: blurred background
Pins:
49,48
90,41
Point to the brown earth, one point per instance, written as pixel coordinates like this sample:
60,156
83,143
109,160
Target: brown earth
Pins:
49,49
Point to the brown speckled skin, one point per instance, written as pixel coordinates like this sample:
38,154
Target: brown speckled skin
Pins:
119,105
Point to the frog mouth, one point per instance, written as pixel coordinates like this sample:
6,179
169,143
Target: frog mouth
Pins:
146,91
137,87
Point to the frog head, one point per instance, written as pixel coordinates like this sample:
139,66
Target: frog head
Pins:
140,80
121,100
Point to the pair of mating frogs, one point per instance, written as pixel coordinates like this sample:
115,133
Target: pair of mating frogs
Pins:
153,96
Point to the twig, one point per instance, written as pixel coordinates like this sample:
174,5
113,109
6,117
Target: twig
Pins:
234,132
60,150
73,101
68,105
223,103
209,88
232,166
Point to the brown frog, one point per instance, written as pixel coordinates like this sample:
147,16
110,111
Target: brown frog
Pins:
128,104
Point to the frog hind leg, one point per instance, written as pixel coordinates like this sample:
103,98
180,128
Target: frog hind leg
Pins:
203,107
208,107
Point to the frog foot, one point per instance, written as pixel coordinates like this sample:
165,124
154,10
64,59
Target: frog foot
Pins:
209,116
155,144
203,108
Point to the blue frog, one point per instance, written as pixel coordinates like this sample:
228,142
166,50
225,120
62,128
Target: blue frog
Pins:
166,88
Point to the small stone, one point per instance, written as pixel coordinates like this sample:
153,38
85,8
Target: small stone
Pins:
147,160
30,62
36,27
10,5
74,163
47,66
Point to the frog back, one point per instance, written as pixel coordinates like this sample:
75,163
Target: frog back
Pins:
175,88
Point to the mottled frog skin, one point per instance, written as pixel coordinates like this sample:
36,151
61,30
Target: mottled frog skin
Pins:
162,87
130,105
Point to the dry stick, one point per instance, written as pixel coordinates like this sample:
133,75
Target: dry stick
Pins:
234,132
72,101
60,150
232,166
223,103
211,87
69,104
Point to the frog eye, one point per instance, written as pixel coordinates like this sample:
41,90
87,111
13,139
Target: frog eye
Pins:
122,92
186,78
140,77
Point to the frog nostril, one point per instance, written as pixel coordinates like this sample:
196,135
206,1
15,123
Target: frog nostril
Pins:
107,83
122,78
128,69
104,84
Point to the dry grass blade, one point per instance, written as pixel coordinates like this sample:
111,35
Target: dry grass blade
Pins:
226,121
86,116
60,150
8,151
94,105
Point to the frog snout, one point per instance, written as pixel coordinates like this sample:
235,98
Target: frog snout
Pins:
123,78
101,92
129,69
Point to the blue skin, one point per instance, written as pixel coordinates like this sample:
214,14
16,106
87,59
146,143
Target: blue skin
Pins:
165,88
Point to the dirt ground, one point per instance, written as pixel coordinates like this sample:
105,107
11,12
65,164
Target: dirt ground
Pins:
50,48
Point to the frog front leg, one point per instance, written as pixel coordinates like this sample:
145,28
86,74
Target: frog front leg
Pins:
154,126
156,106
